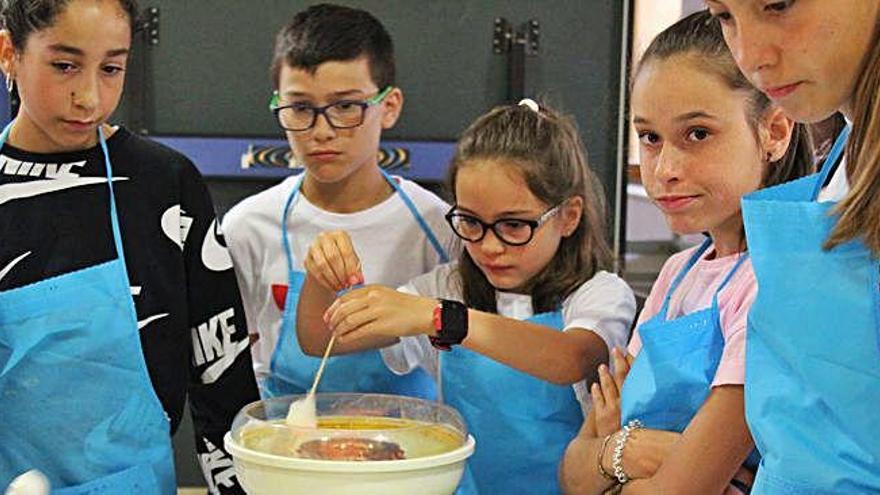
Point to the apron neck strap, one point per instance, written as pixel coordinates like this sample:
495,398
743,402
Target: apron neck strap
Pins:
5,134
114,215
742,258
285,239
690,264
681,273
294,194
441,253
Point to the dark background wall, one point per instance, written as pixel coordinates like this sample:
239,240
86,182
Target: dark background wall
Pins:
208,76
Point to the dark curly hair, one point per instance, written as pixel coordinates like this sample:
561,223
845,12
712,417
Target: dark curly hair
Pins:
24,17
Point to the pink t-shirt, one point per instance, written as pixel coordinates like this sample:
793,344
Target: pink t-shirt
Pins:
695,293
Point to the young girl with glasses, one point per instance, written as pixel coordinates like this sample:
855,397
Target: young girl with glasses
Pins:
517,328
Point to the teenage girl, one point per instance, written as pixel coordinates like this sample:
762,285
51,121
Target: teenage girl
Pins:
813,357
707,137
117,298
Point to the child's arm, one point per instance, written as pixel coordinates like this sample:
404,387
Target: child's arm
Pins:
605,412
332,265
711,450
558,357
221,381
576,475
701,460
579,472
597,316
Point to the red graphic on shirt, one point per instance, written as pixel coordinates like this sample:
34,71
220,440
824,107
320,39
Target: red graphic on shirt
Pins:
279,293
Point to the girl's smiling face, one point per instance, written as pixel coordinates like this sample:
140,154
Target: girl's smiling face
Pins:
492,189
70,75
806,55
699,151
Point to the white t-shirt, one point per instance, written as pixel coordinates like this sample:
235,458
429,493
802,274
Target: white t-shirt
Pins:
604,305
838,186
392,246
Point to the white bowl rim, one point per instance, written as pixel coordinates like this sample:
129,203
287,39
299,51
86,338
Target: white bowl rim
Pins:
299,464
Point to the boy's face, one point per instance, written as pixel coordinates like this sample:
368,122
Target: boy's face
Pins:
331,155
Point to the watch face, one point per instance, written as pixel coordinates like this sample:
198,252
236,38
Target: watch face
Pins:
453,323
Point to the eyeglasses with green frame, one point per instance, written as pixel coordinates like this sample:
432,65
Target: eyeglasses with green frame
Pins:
342,114
511,231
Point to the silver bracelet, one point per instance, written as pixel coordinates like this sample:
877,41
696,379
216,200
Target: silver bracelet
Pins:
620,443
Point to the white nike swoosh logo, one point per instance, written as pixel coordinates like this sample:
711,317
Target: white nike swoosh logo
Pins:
215,256
175,225
216,370
11,264
21,190
151,319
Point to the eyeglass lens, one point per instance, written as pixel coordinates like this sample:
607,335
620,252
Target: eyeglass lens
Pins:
340,115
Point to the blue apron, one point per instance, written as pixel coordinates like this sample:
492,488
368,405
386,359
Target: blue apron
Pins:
77,401
813,356
522,424
292,371
672,375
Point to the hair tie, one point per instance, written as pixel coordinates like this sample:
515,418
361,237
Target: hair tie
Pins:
531,104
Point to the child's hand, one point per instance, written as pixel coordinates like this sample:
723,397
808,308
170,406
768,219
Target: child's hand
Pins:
333,262
606,394
645,451
376,310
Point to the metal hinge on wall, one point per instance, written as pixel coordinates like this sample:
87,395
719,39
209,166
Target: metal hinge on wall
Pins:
150,26
517,44
139,87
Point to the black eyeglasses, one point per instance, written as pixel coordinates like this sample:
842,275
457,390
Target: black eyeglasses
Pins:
511,231
343,114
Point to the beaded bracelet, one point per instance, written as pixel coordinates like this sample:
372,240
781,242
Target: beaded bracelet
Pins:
620,443
599,460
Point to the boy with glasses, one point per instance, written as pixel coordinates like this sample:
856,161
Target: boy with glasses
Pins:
333,70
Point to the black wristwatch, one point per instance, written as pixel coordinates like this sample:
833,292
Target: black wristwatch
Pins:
451,323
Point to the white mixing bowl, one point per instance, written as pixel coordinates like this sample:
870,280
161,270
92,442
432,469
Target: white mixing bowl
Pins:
265,473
